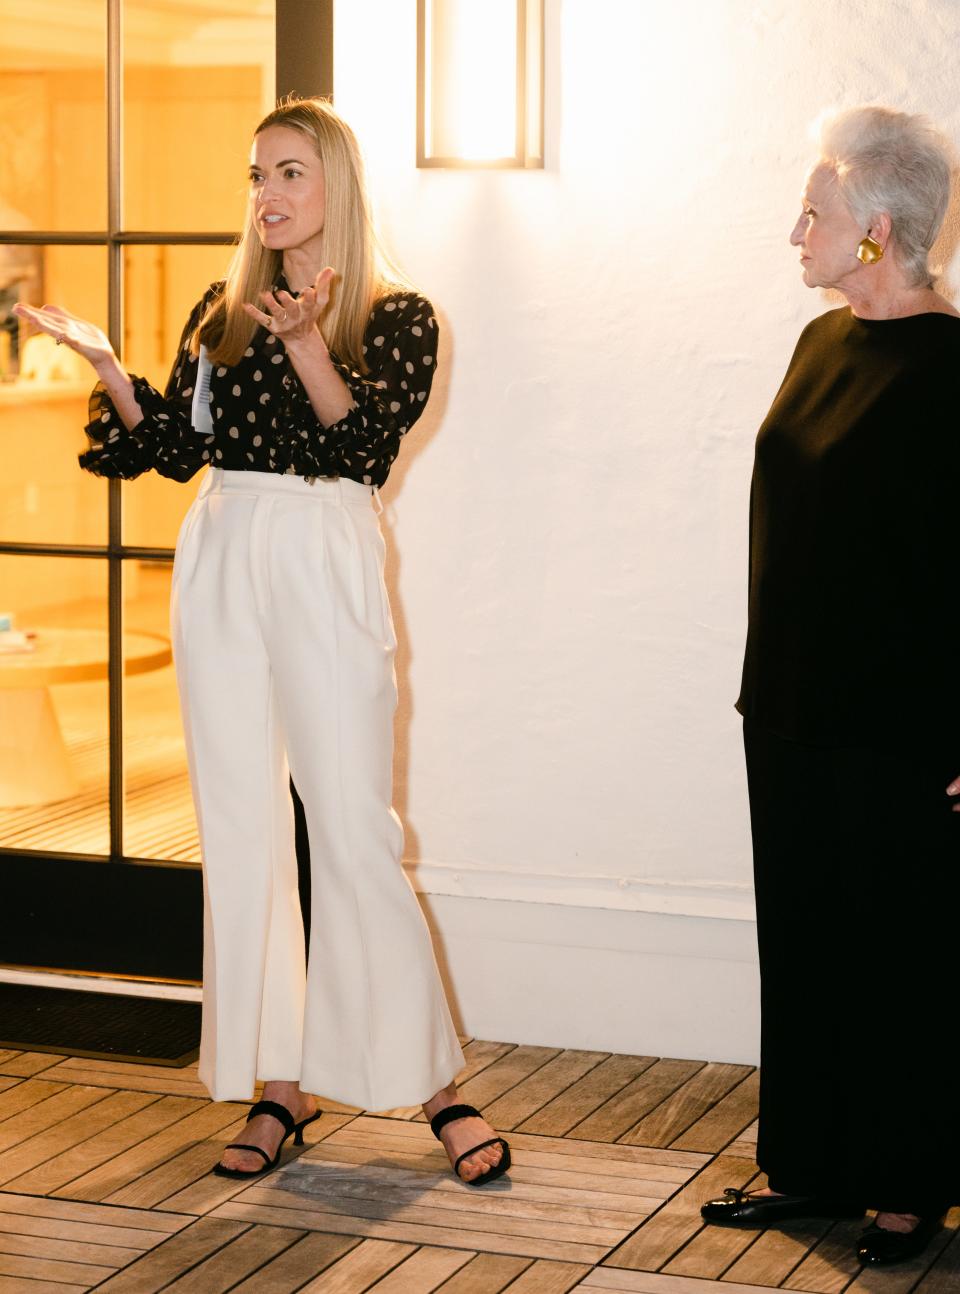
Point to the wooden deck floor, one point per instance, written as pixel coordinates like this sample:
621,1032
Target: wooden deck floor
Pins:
105,1184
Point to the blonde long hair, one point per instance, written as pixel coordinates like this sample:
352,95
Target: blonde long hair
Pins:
349,245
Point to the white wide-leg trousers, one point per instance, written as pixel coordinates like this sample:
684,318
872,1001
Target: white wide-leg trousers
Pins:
284,650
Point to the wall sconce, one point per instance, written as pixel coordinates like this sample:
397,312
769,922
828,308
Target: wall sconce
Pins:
480,83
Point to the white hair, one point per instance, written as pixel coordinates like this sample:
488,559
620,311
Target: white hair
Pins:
893,162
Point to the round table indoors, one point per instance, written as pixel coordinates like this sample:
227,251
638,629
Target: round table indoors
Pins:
34,763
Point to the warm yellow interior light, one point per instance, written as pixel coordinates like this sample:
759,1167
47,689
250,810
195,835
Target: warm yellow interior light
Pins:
480,83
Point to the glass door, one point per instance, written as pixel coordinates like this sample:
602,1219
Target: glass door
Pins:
124,129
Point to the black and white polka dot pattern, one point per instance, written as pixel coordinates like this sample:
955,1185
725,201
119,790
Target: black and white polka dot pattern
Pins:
262,417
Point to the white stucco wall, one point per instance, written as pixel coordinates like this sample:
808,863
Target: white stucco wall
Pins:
569,518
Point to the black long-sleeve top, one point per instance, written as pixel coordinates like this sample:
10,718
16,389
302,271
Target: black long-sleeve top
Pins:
262,416
854,604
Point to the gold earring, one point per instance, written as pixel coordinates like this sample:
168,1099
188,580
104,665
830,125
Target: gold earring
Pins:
869,251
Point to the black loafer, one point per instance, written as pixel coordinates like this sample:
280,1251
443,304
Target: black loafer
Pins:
738,1209
878,1246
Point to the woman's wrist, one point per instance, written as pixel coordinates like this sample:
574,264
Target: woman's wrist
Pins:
311,347
108,368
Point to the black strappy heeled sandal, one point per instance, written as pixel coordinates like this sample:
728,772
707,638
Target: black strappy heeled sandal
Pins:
285,1119
449,1115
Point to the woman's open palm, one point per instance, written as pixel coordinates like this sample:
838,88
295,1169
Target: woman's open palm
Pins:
80,335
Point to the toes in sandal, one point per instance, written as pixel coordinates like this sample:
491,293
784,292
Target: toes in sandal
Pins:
285,1119
453,1112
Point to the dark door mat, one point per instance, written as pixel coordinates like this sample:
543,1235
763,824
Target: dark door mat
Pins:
101,1026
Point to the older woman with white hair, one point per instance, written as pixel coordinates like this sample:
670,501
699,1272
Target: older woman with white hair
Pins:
852,712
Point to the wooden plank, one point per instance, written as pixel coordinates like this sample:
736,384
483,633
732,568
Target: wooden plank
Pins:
944,1276
7,1081
185,1169
636,1282
829,1267
235,1261
424,1271
161,1079
776,1252
169,1083
631,1193
485,1274
624,1110
45,1114
412,1233
131,1237
607,1192
106,1255
14,1285
182,1252
80,1161
98,1214
587,1095
542,1086
478,1056
484,1088
72,1132
206,1191
360,1268
298,1264
646,1161
406,1139
686,1105
711,1251
745,1145
27,1063
21,1094
51,1269
726,1121
545,1277
469,1217
140,1158
204,1195
679,1220
374,1183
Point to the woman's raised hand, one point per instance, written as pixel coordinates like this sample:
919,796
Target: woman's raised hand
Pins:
294,319
85,338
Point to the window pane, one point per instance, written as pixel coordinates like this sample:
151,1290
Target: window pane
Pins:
44,496
161,287
53,117
158,818
197,81
54,762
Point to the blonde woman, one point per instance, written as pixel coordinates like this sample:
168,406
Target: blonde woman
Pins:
295,381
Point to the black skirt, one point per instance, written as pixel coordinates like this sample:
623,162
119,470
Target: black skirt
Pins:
857,874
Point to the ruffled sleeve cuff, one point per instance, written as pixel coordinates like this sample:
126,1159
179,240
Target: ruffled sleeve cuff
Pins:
157,441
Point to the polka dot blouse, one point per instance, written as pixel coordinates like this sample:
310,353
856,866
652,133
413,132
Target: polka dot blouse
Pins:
262,417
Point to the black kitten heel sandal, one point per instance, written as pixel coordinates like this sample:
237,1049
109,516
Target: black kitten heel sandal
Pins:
285,1119
449,1115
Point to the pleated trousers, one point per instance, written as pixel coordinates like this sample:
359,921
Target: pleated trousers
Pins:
284,649
857,876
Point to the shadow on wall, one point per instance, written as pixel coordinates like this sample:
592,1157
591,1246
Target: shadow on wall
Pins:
413,445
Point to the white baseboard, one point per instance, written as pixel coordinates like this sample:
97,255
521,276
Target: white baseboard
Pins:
694,898
639,983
